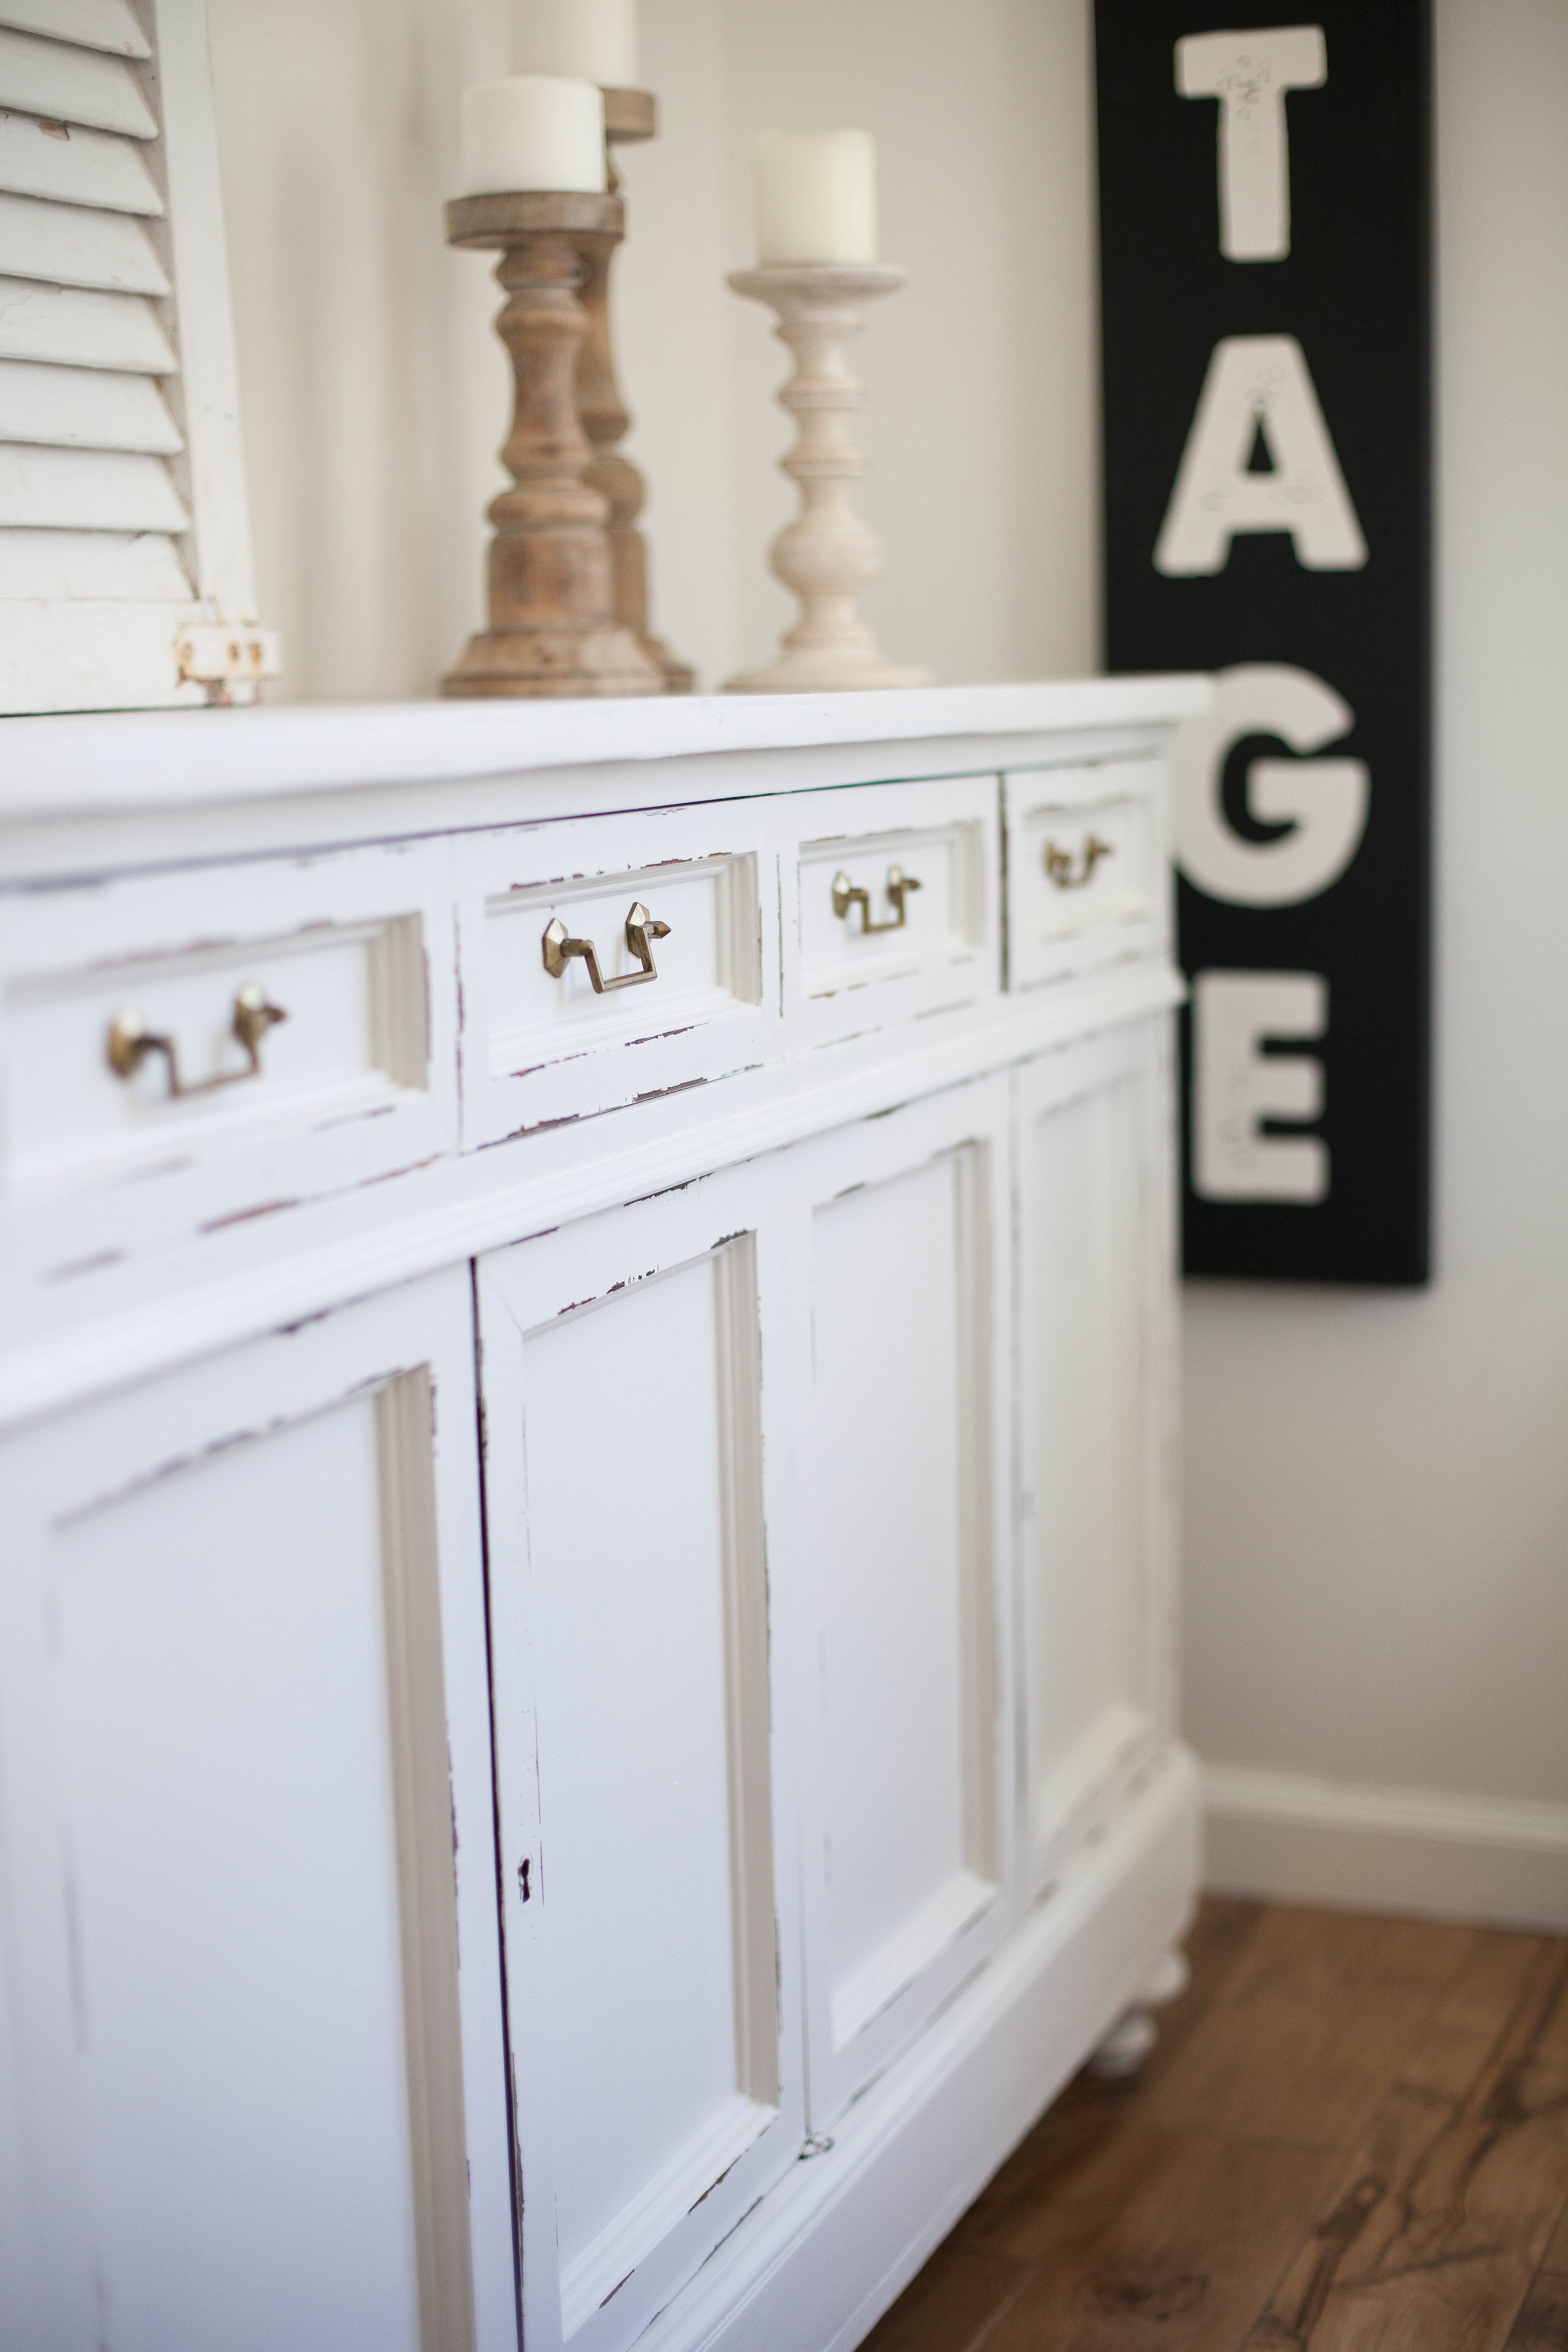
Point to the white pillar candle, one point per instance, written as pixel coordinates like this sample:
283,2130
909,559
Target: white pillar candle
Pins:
817,196
533,131
592,40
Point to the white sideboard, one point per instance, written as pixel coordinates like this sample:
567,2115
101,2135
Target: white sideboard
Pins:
587,1617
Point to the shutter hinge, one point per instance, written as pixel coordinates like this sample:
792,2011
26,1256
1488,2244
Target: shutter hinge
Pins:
218,657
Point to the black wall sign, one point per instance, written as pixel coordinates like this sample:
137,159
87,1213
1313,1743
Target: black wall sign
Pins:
1265,205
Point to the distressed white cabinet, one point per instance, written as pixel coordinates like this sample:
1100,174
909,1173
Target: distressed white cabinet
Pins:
586,1625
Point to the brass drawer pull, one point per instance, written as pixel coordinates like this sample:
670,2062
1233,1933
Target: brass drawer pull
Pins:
846,895
640,930
130,1041
1060,863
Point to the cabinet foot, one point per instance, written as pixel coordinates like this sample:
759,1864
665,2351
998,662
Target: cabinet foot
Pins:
1134,2033
1126,2045
1168,1980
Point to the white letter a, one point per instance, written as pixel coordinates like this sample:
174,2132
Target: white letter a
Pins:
1259,384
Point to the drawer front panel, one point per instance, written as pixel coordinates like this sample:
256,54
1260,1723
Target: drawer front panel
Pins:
1086,872
210,1043
679,910
893,909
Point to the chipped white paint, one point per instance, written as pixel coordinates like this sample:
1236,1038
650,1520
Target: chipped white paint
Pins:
78,166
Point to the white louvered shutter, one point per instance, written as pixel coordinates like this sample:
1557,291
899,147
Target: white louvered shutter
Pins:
124,543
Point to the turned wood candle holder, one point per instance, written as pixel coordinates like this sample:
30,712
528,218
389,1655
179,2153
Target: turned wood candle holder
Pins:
630,115
553,623
828,555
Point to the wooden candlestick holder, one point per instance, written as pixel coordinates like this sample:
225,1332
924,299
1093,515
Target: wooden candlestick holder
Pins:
828,555
553,625
630,115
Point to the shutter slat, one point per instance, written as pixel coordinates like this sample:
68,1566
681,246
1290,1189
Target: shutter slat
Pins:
84,408
69,246
77,167
87,489
76,327
120,567
72,85
92,24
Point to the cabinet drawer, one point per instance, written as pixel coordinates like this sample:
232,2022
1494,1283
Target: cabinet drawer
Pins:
215,1042
686,990
892,909
1086,869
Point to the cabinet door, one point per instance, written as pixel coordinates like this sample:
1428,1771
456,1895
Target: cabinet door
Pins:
898,1529
1095,1303
649,1939
259,2100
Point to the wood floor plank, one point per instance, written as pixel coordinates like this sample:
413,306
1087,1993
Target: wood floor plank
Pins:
1179,2246
952,2304
1090,2113
1555,2258
1312,2027
1352,2137
1543,2322
1440,2224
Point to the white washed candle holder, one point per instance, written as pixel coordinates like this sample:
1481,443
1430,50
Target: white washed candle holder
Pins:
828,555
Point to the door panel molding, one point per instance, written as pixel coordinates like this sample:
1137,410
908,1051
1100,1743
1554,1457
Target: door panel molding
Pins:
400,1368
689,1269
1095,1527
952,1374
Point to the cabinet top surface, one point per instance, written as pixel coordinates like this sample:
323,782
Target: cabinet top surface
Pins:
61,767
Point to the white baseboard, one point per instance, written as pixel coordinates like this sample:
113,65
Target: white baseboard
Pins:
1302,1840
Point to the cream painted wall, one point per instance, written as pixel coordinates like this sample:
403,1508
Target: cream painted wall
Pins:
371,391
1378,1487
374,395
1377,1521
981,417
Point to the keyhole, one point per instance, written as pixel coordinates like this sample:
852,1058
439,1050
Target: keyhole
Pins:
522,1886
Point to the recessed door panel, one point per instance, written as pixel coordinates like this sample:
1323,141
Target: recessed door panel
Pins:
236,1924
897,1508
890,1479
1091,1315
630,1600
634,1783
245,1714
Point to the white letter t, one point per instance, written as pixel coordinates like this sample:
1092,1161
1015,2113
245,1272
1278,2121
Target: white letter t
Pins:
1249,73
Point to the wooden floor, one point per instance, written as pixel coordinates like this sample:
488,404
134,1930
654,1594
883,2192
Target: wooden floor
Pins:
1352,2137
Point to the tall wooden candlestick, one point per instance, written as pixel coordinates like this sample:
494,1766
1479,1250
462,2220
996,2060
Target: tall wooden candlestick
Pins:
553,623
629,115
828,555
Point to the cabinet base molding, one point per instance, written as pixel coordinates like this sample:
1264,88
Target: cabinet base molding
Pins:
1288,1835
823,2256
